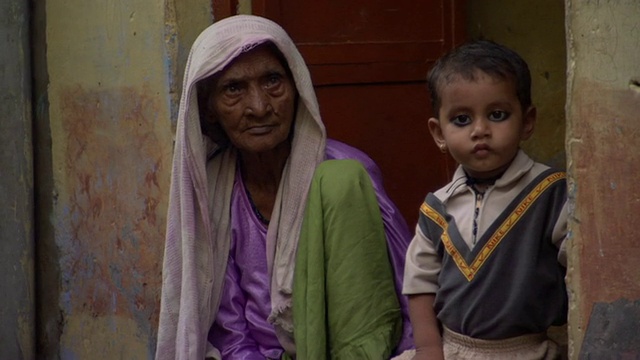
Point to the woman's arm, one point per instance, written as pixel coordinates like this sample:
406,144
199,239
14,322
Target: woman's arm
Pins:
229,333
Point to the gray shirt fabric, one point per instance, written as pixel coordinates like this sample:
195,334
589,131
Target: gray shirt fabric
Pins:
497,302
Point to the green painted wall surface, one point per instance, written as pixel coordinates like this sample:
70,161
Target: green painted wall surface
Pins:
17,303
114,72
535,29
603,138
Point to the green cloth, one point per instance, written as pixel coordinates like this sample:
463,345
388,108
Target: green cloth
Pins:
344,302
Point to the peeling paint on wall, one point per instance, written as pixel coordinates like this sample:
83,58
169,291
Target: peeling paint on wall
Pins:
112,218
112,81
605,145
602,147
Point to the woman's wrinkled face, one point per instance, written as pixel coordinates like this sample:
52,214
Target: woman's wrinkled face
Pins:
253,99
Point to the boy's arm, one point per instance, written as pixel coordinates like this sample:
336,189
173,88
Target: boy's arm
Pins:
426,331
559,235
422,267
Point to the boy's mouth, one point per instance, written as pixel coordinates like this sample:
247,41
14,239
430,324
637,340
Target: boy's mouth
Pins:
481,147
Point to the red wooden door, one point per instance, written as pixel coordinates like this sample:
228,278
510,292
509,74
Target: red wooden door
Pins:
368,61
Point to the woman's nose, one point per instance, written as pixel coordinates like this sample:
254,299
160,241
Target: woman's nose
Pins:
257,102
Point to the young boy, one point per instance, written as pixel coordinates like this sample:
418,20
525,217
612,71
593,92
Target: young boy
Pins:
485,270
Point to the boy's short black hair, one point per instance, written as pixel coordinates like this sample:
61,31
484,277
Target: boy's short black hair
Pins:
487,56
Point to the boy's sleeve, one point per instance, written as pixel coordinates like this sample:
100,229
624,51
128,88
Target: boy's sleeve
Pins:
559,235
422,266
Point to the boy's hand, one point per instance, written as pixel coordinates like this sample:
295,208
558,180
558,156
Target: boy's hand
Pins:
429,353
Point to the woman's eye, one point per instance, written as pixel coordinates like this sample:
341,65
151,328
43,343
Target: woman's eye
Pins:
273,80
461,120
231,89
498,115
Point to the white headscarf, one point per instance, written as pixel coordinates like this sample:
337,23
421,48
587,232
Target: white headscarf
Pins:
198,221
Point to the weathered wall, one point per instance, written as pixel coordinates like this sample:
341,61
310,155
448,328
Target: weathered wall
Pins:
535,29
108,96
603,138
107,80
17,307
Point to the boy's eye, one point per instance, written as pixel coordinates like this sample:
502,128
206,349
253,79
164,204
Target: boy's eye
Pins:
461,120
498,115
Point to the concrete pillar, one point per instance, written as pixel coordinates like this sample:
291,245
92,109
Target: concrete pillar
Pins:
17,309
603,153
108,83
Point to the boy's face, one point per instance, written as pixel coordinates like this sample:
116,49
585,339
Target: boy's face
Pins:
481,123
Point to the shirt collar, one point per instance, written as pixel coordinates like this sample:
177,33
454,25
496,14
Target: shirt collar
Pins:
520,165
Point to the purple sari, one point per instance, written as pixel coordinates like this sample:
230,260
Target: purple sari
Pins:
241,329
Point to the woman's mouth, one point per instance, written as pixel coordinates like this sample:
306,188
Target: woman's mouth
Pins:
260,130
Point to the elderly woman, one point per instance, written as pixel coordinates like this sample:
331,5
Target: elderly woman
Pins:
280,242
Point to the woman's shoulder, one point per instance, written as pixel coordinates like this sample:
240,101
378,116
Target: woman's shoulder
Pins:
337,150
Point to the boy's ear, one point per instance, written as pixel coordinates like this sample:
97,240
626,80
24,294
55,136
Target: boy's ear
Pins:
529,125
436,133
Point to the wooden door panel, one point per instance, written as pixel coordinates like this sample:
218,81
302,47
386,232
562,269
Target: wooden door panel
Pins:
360,20
395,39
393,134
368,60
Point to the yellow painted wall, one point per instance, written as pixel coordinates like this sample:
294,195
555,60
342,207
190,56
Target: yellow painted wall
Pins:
114,76
535,29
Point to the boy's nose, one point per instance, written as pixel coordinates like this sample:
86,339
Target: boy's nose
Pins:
480,128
